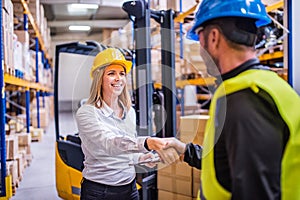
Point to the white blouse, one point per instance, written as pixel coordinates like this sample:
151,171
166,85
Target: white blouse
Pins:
109,144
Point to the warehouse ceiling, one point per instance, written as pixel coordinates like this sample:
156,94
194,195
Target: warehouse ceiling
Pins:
61,14
99,14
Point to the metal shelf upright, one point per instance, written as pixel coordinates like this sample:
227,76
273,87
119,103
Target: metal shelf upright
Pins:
6,187
2,122
27,91
293,43
181,56
37,95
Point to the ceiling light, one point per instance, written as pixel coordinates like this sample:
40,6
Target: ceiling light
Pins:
82,9
84,6
115,3
79,28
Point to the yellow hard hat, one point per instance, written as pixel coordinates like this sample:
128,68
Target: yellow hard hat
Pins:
110,56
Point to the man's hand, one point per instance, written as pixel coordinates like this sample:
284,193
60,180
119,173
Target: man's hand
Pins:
168,156
175,143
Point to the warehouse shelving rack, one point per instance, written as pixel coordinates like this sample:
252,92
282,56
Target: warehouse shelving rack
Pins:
201,82
210,81
7,79
275,54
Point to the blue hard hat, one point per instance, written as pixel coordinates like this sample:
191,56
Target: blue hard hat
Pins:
212,9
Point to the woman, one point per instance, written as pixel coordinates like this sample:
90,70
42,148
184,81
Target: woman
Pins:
107,130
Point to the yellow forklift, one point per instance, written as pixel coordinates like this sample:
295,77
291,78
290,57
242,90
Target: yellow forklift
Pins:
70,88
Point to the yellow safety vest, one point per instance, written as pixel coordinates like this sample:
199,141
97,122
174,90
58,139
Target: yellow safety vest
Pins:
288,104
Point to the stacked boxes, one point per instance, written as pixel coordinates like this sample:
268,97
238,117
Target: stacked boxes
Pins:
11,156
179,180
24,140
18,155
15,126
196,181
44,118
16,44
28,68
46,111
33,64
12,147
12,169
34,7
175,178
162,194
192,128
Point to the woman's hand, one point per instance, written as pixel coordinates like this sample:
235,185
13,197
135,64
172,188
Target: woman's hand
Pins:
155,143
147,158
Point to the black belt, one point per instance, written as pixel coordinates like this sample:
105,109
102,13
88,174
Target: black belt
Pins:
117,188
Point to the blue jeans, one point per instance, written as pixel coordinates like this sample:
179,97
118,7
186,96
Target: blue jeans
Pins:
96,191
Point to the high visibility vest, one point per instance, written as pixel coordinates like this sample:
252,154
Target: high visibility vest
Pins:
288,104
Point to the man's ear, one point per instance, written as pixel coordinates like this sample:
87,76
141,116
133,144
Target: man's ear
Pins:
214,38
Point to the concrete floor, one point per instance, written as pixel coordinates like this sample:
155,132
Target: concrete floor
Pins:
38,181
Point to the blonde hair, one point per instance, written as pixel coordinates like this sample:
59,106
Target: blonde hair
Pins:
96,95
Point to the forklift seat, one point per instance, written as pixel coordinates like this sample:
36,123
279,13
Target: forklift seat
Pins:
71,154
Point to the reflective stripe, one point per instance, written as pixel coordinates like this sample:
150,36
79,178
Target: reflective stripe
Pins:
76,190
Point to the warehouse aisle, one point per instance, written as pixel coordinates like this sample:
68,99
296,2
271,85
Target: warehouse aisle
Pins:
38,181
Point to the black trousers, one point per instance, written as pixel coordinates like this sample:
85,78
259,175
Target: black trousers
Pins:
96,191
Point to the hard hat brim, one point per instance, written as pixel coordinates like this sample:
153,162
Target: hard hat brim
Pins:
126,64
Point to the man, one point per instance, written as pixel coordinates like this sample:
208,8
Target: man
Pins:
253,134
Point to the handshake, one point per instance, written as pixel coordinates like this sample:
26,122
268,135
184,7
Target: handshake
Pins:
168,149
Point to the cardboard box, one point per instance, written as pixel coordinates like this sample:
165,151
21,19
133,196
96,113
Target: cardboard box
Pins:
44,118
21,118
196,181
18,8
175,178
24,139
21,162
12,169
23,36
12,124
192,128
164,195
28,155
7,129
36,134
12,147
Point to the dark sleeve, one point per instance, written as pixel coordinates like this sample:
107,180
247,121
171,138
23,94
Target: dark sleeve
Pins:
253,142
146,145
192,155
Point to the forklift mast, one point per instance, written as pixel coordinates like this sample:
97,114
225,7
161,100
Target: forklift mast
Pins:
140,11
